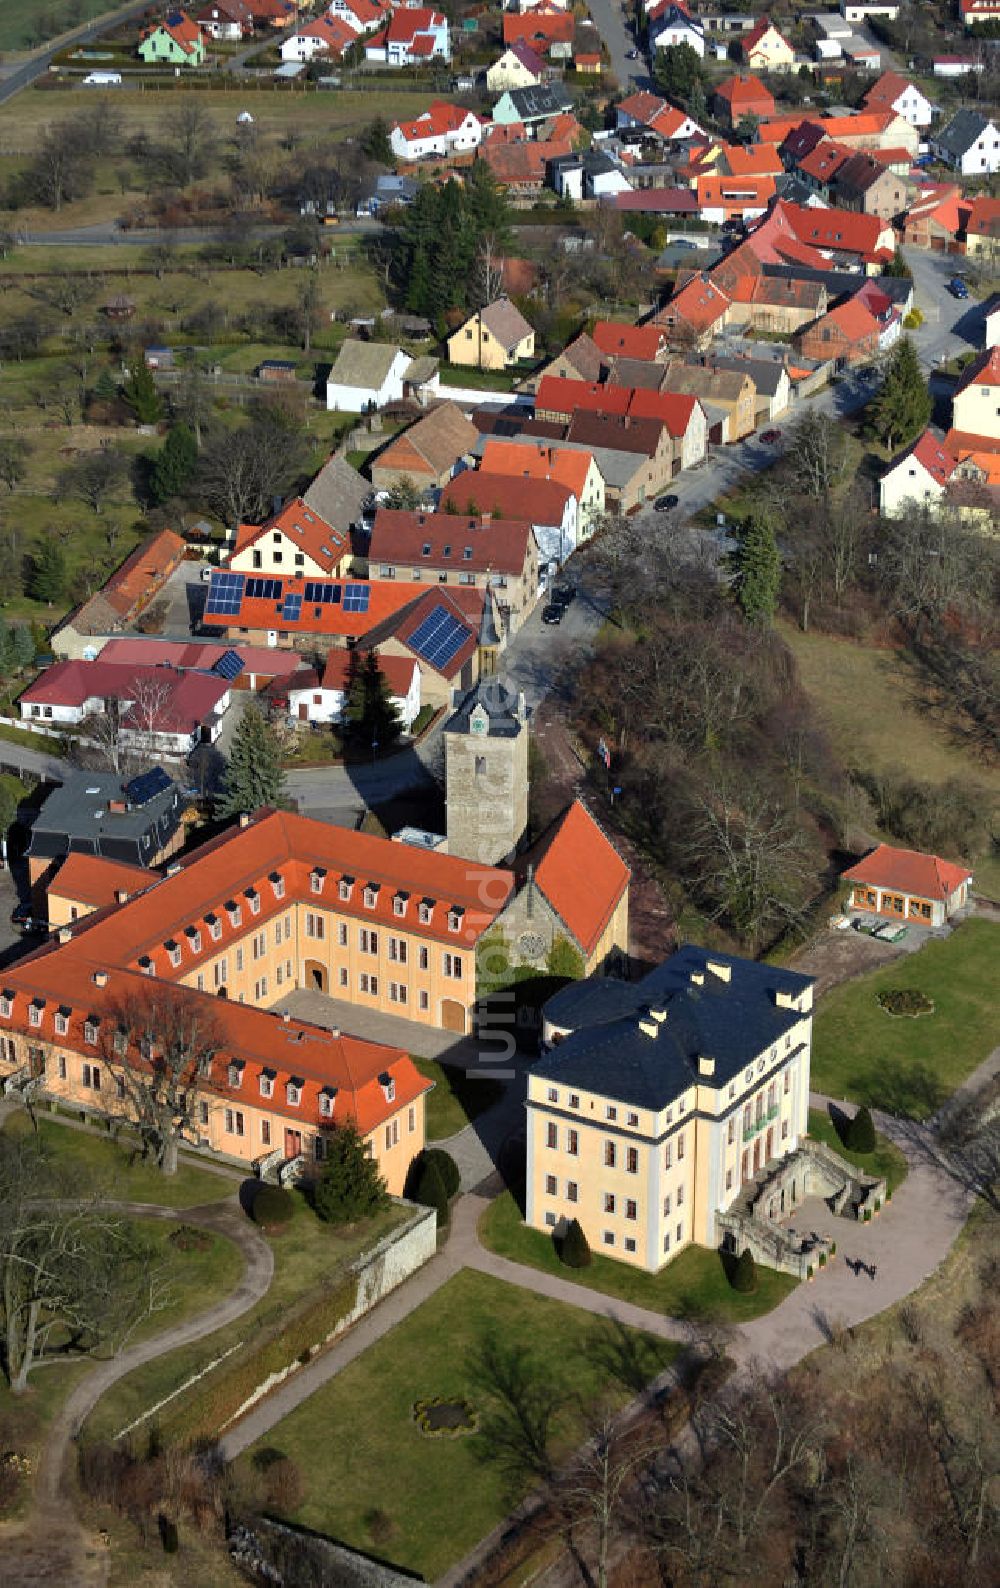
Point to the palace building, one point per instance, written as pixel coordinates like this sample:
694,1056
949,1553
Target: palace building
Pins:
661,1100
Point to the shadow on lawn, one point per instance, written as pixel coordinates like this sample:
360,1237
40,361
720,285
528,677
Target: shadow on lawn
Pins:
906,1090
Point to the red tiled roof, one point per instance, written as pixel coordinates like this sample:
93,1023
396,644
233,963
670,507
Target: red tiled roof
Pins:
983,371
984,218
630,341
674,409
175,702
556,27
765,25
202,655
334,31
560,396
580,873
180,28
935,458
305,528
909,871
537,501
385,597
563,465
700,303
396,670
143,571
743,94
464,603
453,540
91,879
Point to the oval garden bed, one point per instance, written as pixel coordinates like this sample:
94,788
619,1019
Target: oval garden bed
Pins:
907,1003
438,1417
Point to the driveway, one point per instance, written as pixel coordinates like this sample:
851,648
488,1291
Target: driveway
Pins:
609,20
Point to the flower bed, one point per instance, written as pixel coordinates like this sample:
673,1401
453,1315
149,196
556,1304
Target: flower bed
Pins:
905,1002
440,1418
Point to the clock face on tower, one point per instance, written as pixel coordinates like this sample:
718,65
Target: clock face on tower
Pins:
479,722
531,945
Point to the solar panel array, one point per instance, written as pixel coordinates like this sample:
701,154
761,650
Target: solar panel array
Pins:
229,665
264,589
320,593
439,637
291,607
140,790
225,594
356,597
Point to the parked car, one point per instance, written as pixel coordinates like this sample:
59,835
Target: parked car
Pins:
664,504
683,242
632,55
552,613
22,918
958,288
563,595
771,437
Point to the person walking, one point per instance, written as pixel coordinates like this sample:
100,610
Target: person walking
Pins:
872,1269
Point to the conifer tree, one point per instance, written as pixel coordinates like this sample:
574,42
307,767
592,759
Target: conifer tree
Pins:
174,465
47,575
370,714
744,1273
902,409
860,1133
351,1186
575,1249
253,775
141,394
429,1190
757,570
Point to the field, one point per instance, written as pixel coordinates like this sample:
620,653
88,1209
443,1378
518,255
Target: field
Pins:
911,1065
869,702
375,1481
26,23
692,1286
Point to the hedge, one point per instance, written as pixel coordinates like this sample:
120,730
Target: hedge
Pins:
292,1338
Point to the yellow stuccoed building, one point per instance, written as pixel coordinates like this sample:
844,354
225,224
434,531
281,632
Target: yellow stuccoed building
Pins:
658,1101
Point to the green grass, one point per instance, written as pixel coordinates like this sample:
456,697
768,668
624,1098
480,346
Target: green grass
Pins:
693,1285
488,379
441,1495
887,1159
21,20
306,1254
456,1099
109,1164
911,1066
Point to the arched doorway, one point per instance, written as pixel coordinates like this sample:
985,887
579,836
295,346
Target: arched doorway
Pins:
453,1015
316,978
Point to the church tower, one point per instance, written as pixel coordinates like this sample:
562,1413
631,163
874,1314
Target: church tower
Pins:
486,774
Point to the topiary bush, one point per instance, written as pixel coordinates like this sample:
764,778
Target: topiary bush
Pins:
273,1207
575,1248
447,1168
429,1191
860,1133
743,1274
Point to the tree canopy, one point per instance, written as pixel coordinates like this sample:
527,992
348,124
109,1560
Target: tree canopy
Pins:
439,237
902,408
757,571
370,713
351,1186
254,775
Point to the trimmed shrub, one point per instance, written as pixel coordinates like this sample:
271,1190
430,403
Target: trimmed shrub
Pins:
273,1207
743,1276
575,1249
822,1259
447,1168
867,1216
429,1191
860,1133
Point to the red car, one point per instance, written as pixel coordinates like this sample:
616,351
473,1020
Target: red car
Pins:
772,437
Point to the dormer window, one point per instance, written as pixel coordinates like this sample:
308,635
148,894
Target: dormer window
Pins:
399,903
146,965
234,1073
173,952
61,1021
234,912
35,1011
371,895
327,1098
277,882
456,916
6,1005
467,554
267,1083
253,900
345,887
293,1092
427,548
90,1028
214,927
317,877
194,939
388,1086
425,911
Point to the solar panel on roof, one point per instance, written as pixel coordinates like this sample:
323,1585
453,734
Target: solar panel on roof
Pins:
356,597
225,594
264,589
291,609
229,665
322,592
140,790
438,638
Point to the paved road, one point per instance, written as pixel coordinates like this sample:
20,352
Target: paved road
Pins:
105,235
610,24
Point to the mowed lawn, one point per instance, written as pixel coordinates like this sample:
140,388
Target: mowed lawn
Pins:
887,1159
693,1286
115,1169
869,702
906,1065
373,1480
456,1099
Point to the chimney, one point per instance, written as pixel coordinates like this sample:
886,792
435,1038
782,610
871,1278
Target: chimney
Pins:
649,1028
64,935
706,1066
522,707
172,870
335,1031
716,968
100,978
121,895
286,1016
245,818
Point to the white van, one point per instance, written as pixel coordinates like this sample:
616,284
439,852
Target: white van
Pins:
103,80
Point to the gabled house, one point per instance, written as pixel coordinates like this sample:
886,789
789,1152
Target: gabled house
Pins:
439,131
862,183
975,406
615,340
892,91
518,67
529,458
338,494
848,334
982,228
917,478
580,359
934,216
730,392
474,551
366,376
970,143
532,107
493,338
226,21
325,35
764,49
551,509
411,37
669,24
176,41
135,823
695,312
741,96
319,696
361,16
428,453
159,710
975,12
907,885
541,31
296,540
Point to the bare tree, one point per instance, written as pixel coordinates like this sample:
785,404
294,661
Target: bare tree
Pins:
126,733
588,1496
94,476
192,138
487,278
158,1041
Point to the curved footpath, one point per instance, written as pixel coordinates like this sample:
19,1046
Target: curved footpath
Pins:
54,1546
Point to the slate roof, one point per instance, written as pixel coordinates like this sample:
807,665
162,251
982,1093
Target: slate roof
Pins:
539,100
338,494
961,132
731,1021
500,705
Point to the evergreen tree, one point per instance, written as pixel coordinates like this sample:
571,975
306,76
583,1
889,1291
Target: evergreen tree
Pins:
860,1133
47,572
438,237
565,960
375,142
253,775
105,387
446,1167
141,394
902,409
370,714
743,1275
429,1190
746,128
677,72
402,495
351,1186
757,571
22,646
575,1249
174,465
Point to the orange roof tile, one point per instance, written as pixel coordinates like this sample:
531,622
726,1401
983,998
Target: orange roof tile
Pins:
909,871
545,461
305,528
630,341
983,371
538,501
91,879
580,873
